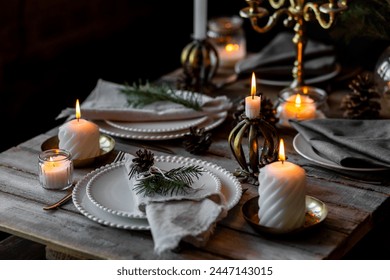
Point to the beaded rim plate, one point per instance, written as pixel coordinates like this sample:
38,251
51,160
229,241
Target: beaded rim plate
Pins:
230,188
316,212
107,145
159,127
210,123
109,189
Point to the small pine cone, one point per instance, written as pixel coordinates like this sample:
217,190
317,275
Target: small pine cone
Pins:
198,141
361,103
143,161
268,111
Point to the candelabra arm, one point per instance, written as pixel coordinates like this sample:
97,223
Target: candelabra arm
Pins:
276,4
325,23
272,20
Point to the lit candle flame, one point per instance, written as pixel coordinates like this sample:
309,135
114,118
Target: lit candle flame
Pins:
298,101
78,113
282,155
232,47
253,85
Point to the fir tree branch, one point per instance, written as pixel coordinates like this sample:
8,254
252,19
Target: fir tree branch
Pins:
175,181
140,95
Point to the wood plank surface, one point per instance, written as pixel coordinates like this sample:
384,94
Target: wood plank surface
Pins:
354,209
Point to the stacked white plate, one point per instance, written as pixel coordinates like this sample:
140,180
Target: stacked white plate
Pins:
106,196
159,130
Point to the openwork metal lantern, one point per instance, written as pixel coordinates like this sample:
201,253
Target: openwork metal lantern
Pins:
254,144
200,63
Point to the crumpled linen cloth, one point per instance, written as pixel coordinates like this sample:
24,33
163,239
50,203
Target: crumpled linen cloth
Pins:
189,217
106,103
276,60
349,143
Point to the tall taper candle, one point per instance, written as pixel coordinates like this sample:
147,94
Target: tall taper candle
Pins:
200,19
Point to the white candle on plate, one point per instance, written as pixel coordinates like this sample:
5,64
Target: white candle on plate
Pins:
80,137
56,169
252,102
200,19
282,194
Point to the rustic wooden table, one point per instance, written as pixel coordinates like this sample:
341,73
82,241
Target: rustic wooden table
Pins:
354,207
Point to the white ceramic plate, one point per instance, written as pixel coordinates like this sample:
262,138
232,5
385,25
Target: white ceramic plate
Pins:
230,188
310,81
210,123
305,150
111,190
162,126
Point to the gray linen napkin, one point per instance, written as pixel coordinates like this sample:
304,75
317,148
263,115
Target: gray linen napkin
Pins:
277,58
106,103
349,143
189,217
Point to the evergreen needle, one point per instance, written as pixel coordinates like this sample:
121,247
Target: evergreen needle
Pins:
140,95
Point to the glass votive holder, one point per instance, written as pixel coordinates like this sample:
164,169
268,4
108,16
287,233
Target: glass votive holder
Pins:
228,38
300,103
55,169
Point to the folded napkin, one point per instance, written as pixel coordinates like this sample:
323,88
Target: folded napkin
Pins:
189,217
277,59
349,143
106,102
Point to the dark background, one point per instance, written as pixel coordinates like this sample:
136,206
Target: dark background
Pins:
54,51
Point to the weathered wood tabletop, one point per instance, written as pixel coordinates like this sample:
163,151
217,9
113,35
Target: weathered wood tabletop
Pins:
354,207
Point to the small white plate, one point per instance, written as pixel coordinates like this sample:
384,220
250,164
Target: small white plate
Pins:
305,150
111,190
160,127
230,188
211,122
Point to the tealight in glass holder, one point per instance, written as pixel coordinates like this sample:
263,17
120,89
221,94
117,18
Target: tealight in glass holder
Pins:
55,169
300,103
228,38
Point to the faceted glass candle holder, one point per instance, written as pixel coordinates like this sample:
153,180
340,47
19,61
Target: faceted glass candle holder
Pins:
300,103
55,168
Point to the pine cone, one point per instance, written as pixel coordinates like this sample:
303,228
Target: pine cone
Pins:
362,102
143,161
198,141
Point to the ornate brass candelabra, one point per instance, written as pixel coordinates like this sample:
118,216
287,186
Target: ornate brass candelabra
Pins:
296,14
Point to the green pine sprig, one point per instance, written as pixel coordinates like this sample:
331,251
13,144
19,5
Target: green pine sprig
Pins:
140,95
175,181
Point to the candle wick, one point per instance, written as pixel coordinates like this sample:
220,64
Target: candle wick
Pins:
282,161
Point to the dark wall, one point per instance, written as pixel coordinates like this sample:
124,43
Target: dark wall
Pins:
54,51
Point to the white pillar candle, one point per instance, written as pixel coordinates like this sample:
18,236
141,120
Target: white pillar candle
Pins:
282,194
55,169
80,137
253,102
200,19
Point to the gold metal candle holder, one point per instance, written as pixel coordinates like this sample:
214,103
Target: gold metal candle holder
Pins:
297,13
256,130
200,63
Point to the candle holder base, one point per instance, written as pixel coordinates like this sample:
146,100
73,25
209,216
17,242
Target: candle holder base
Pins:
253,131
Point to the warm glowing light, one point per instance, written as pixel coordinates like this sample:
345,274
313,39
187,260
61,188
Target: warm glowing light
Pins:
282,155
298,101
232,47
253,85
78,113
